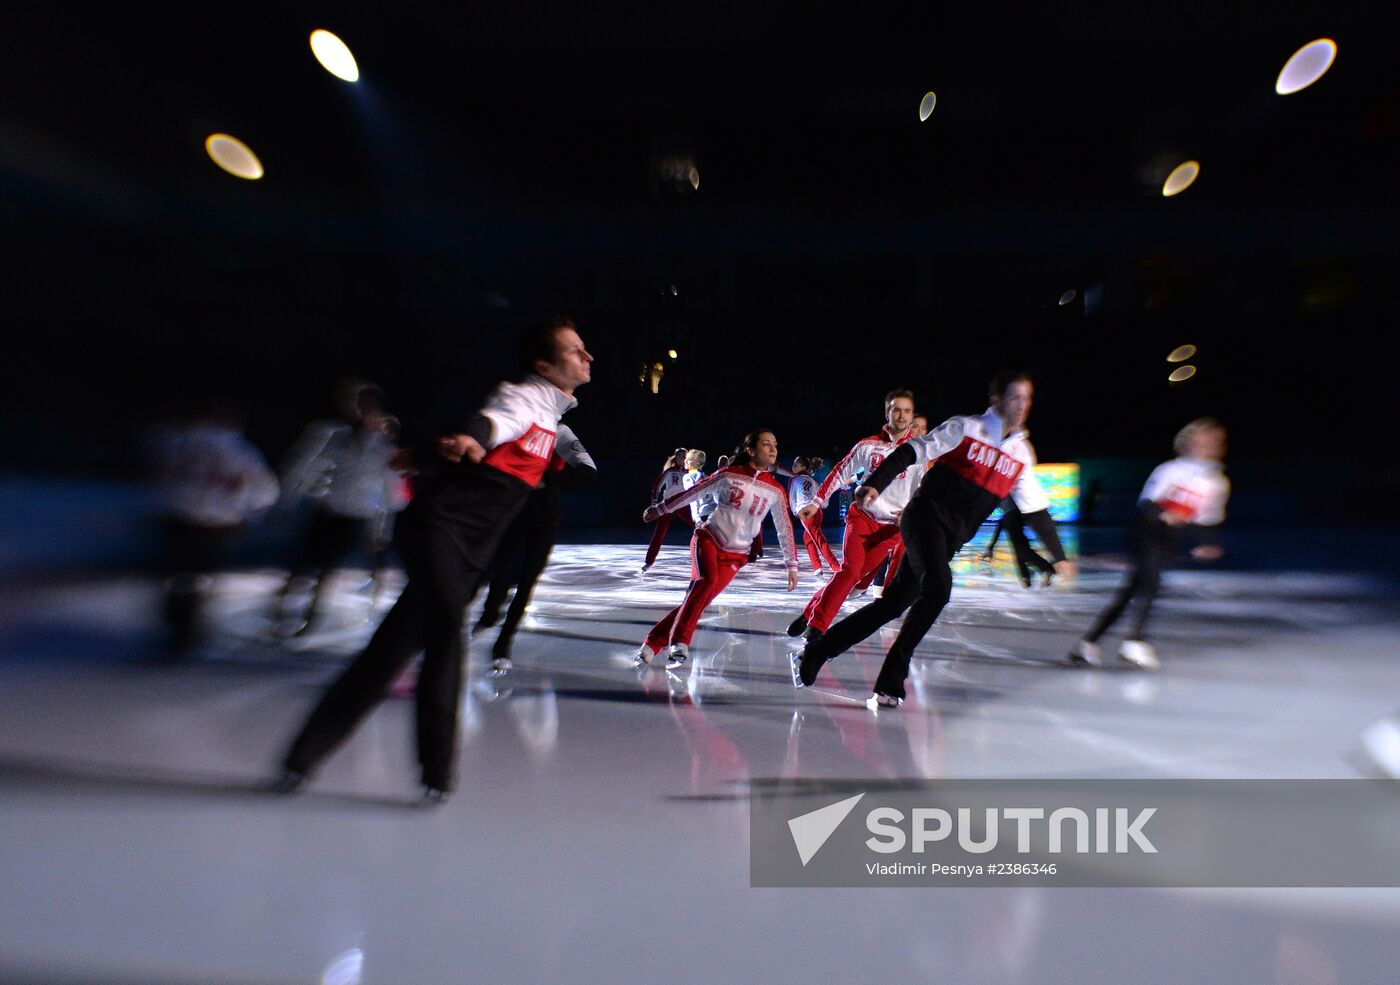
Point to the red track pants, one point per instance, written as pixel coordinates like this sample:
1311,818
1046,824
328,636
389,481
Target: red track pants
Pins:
711,570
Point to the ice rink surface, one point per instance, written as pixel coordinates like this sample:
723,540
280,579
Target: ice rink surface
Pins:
600,828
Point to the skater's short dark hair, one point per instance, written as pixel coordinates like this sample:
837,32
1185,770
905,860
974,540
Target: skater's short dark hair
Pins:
895,394
801,464
541,341
1003,382
744,453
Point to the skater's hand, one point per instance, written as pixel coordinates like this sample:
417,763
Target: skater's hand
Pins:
792,579
455,447
809,510
1174,519
651,515
866,495
1207,552
1066,569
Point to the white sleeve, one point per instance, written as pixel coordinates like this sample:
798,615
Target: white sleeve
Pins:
1213,509
1028,493
783,521
1157,482
510,413
937,442
303,466
571,450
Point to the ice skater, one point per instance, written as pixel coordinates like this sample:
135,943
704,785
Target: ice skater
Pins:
1190,491
526,546
802,492
667,484
447,538
744,492
872,529
981,460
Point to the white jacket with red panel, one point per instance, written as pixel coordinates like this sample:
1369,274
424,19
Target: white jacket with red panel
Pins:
868,454
524,427
743,496
975,467
1191,488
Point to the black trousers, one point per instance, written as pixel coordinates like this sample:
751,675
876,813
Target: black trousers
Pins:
1014,524
519,561
922,586
1151,544
447,538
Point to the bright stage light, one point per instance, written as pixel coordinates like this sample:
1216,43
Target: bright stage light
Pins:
1068,296
926,106
1181,353
234,156
1308,64
334,56
694,177
1181,178
1182,373
671,353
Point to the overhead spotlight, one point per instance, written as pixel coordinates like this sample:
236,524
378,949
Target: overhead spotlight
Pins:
926,106
694,177
1181,178
671,353
1308,64
1068,296
233,155
334,55
1181,353
1182,373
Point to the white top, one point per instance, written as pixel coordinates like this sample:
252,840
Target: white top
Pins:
867,454
213,476
346,469
703,506
743,496
1192,488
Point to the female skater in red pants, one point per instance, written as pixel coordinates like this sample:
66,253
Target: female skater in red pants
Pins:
745,492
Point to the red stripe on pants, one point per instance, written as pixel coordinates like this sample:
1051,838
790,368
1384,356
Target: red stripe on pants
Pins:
712,569
817,547
865,544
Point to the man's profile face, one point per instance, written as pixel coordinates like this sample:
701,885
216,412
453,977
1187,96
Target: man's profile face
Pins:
572,364
1014,406
899,414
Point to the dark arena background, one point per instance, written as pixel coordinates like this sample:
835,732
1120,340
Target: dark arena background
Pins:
758,216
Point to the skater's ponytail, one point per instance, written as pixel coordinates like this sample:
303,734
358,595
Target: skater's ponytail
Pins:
744,453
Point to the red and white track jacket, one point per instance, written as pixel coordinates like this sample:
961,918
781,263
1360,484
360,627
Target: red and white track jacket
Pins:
975,468
1191,488
743,496
867,454
667,484
524,426
802,492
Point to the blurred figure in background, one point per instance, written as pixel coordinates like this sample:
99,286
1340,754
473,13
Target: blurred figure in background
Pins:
526,546
1189,491
212,481
667,484
346,465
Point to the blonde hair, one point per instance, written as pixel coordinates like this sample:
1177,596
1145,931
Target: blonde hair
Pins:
699,457
1181,444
